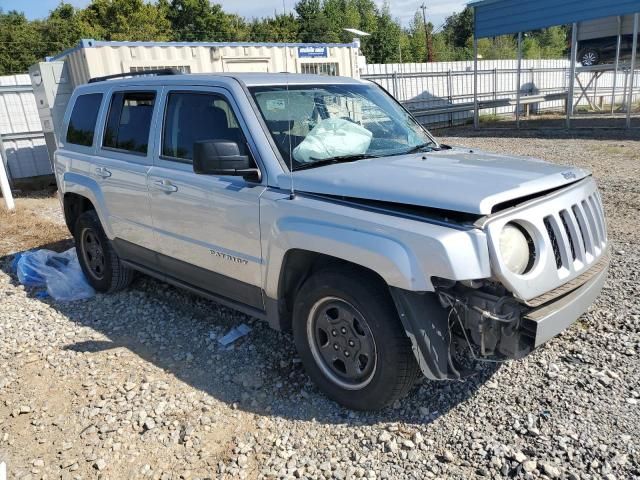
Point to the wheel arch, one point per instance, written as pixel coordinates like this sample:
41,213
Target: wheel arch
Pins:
297,266
74,205
81,193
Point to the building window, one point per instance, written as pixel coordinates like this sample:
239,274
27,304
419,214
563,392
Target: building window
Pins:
320,68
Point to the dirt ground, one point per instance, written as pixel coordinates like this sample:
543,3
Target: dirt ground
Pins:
36,221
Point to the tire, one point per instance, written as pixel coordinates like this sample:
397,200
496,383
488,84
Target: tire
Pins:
589,57
99,261
352,309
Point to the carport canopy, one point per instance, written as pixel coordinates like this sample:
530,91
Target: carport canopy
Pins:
503,17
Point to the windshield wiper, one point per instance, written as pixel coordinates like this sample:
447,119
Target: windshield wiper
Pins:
333,160
418,148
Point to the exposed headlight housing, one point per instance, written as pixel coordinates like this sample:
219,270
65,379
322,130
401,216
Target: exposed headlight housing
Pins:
515,248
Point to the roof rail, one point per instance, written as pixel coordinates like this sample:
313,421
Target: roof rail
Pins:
141,73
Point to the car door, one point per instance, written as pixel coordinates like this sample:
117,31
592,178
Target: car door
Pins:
121,165
206,226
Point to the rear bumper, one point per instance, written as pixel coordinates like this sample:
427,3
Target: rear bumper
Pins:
549,320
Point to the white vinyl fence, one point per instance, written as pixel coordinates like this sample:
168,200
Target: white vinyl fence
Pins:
441,93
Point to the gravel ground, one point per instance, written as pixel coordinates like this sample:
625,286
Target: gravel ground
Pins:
135,385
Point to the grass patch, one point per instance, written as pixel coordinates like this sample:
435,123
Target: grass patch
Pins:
491,118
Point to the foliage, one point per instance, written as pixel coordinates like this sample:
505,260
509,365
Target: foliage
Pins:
19,42
24,42
281,28
200,21
126,20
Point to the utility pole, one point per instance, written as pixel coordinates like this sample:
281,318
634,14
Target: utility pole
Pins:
427,36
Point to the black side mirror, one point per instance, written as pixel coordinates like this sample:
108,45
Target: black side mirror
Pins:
222,157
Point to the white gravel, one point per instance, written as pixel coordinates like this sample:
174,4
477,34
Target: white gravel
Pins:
136,385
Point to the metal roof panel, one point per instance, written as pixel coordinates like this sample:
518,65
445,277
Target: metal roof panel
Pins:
501,17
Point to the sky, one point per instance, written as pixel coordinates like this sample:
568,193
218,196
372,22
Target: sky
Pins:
437,10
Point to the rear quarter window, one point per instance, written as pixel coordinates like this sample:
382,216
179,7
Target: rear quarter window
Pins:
82,124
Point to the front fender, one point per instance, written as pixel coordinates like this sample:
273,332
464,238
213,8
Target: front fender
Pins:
88,188
388,257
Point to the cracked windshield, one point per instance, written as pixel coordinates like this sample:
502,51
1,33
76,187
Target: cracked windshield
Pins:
313,125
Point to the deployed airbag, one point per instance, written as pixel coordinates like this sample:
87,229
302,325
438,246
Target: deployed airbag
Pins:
333,137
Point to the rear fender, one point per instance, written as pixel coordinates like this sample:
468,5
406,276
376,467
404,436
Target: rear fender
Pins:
89,189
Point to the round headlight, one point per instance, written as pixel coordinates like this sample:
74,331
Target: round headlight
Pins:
514,248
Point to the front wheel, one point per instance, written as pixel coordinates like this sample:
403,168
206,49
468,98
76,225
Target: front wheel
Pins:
351,341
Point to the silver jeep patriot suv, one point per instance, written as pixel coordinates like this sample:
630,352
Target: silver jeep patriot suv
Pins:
320,205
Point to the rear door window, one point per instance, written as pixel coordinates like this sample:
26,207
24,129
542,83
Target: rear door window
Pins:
82,124
129,121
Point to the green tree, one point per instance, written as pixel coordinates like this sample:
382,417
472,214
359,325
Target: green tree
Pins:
384,45
531,48
281,28
553,42
198,21
314,25
20,43
503,47
458,28
416,45
368,15
133,20
64,28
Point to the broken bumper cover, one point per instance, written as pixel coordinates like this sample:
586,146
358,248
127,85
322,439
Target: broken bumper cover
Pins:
497,327
549,320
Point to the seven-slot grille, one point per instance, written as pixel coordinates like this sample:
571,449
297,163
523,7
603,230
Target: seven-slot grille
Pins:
577,233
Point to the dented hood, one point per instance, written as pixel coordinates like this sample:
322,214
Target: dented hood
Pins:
457,179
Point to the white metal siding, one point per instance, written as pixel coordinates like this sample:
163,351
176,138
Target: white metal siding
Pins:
100,60
27,158
20,128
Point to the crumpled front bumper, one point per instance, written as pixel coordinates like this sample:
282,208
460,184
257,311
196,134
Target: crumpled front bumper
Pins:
498,328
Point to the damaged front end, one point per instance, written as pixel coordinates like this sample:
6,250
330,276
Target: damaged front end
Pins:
485,321
490,319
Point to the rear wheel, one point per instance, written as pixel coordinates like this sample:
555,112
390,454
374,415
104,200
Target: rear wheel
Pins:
99,261
351,341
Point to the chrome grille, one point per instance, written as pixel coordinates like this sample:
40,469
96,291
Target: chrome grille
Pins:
577,233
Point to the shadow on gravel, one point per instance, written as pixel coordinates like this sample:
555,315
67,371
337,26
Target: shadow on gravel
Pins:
260,373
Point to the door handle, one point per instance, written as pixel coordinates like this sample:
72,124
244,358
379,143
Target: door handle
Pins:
165,186
103,172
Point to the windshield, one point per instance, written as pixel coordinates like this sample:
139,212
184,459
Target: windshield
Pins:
313,125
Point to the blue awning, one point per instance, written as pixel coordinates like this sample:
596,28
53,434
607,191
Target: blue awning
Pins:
501,17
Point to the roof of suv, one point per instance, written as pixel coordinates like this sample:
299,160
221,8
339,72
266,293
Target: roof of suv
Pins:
249,79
